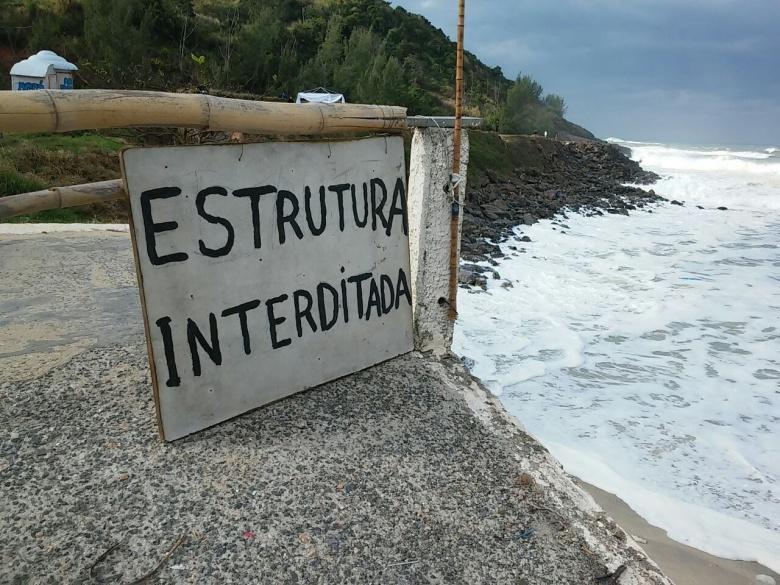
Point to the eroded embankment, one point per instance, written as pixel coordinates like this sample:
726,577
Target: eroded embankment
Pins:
518,180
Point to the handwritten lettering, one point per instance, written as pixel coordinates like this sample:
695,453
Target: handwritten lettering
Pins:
310,312
295,217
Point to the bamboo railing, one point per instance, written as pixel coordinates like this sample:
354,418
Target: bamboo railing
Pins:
60,197
65,111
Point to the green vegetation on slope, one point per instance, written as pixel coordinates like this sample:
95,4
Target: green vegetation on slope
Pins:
32,162
77,142
367,49
487,153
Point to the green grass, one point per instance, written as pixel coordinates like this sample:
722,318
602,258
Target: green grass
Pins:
487,151
33,162
53,216
12,182
73,143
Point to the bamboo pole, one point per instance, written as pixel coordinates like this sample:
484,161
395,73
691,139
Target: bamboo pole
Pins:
60,197
455,217
64,111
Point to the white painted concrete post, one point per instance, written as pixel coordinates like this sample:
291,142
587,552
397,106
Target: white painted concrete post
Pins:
430,208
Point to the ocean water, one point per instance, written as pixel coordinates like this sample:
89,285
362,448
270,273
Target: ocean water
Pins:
644,351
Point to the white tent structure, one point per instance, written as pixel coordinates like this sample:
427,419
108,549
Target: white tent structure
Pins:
319,95
44,70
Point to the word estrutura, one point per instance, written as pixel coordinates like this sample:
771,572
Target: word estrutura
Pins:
374,210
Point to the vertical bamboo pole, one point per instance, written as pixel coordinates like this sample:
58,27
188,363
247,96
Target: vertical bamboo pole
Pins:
455,219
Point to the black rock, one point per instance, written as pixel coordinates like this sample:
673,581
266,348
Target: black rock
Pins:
470,277
588,178
529,219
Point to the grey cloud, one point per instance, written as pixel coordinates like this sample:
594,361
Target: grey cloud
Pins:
693,71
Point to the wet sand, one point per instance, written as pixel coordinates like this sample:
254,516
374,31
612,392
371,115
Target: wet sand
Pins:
683,564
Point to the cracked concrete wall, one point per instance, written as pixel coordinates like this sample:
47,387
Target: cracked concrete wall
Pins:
430,207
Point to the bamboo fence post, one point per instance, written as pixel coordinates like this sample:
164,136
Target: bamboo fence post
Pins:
67,110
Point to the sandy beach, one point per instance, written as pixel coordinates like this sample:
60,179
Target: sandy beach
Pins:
683,564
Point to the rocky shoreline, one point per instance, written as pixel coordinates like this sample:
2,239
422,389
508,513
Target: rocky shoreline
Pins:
548,179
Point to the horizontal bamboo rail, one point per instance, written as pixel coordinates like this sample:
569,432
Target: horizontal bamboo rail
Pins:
68,110
60,197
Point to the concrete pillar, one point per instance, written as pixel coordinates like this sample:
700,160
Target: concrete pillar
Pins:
430,203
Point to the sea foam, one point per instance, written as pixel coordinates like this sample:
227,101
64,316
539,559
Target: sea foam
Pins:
644,350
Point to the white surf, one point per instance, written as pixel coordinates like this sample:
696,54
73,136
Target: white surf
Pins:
644,351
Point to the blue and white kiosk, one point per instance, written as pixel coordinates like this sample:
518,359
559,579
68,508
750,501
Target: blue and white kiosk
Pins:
44,70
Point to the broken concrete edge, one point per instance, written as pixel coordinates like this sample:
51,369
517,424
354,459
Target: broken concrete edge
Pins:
442,122
429,206
626,561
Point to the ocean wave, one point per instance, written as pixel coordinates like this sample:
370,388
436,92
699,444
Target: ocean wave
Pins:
732,153
717,161
665,161
733,190
675,157
614,140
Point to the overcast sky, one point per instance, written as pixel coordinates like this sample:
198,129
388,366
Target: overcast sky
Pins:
689,71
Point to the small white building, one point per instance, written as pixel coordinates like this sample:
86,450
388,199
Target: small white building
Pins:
44,70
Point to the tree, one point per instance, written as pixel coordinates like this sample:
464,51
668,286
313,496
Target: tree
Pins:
358,73
370,50
120,41
525,90
555,103
392,83
230,25
320,70
521,102
257,49
187,26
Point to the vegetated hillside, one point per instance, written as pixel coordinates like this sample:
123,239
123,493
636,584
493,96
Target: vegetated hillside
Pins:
369,50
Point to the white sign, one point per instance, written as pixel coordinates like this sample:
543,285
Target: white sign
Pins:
266,269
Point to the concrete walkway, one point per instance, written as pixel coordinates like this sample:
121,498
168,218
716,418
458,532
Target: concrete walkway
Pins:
408,472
